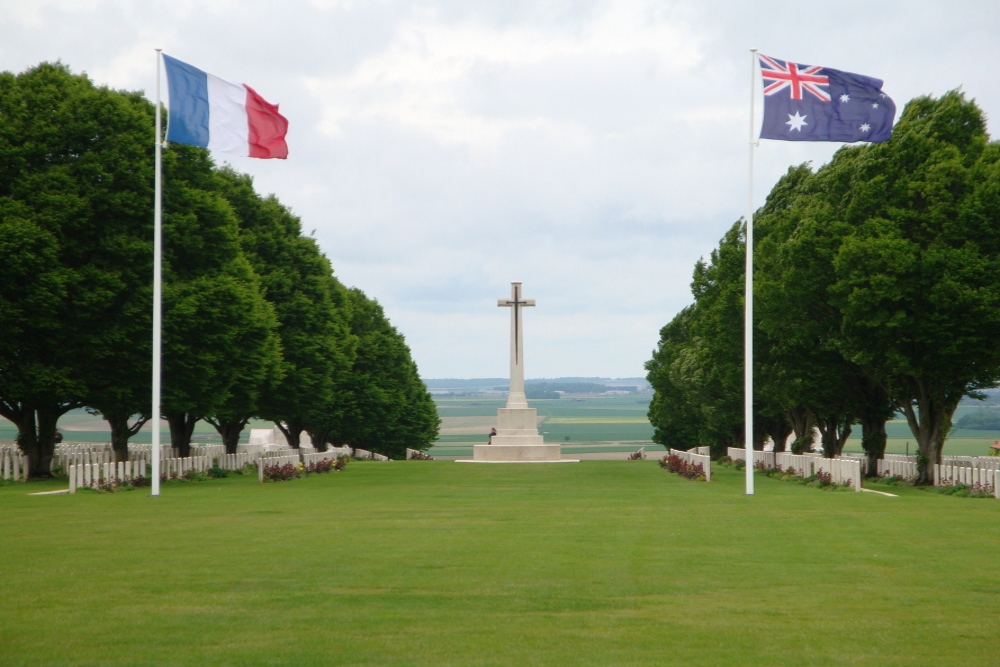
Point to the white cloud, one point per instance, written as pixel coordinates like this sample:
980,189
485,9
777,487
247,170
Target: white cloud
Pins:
593,149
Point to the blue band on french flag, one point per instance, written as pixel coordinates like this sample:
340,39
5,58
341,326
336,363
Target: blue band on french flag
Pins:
189,109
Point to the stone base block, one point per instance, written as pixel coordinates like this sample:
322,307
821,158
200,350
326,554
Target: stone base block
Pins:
517,453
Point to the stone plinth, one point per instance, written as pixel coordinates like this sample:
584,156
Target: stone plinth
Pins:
517,440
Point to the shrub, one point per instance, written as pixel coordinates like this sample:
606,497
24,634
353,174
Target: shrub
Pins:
195,476
281,473
675,464
891,480
769,471
729,462
326,465
114,485
215,472
248,469
966,490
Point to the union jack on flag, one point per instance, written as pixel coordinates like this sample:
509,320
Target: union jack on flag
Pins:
811,103
788,75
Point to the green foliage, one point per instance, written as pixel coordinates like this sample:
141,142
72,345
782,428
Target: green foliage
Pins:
382,405
965,491
75,235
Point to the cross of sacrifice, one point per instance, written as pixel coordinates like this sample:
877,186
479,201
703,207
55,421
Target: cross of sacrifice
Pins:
516,303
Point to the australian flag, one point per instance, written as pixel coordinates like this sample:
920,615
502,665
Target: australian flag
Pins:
809,103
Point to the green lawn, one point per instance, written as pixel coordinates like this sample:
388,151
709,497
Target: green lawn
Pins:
438,563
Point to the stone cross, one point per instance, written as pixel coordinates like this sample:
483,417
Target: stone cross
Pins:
516,398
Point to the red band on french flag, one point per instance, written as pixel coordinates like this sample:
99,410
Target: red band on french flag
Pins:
221,115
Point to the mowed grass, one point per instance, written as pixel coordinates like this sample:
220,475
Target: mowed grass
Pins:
440,563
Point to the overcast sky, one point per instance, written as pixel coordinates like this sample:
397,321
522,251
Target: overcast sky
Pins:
592,150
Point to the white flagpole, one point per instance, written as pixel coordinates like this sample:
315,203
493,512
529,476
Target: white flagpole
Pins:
748,297
157,285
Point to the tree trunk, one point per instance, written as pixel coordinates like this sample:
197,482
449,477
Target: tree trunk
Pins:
873,439
320,438
779,434
293,431
761,429
36,430
875,410
122,431
181,428
229,430
929,418
27,442
803,421
834,431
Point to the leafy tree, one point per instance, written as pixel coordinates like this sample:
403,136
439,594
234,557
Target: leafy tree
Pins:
915,281
219,332
381,404
75,193
673,411
311,308
254,214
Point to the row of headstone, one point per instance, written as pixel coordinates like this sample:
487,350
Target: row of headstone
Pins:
984,462
740,454
202,449
235,461
801,464
332,454
365,454
166,452
182,465
91,474
845,472
13,464
897,467
695,459
950,475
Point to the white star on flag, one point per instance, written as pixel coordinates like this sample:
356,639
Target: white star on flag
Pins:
865,127
845,97
796,122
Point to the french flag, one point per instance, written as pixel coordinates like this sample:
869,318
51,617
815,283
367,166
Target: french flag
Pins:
221,115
